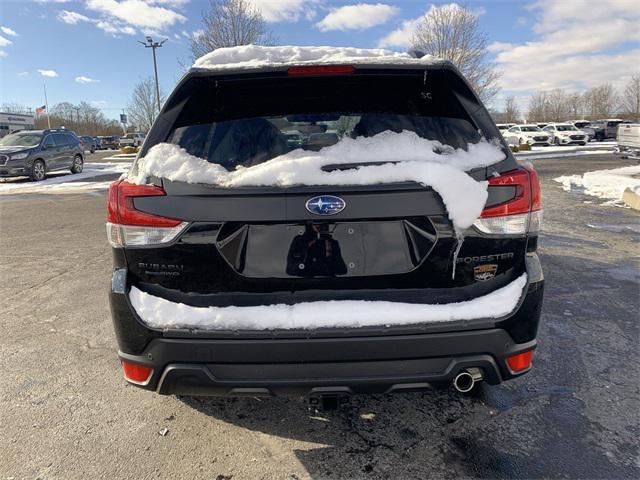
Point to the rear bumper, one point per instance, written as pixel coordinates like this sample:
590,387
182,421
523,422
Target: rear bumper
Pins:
284,365
337,365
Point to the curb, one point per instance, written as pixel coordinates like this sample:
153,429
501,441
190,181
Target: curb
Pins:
631,198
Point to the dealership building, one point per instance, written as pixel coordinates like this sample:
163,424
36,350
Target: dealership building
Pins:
10,122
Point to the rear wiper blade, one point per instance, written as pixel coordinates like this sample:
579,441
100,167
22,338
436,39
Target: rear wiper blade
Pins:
349,166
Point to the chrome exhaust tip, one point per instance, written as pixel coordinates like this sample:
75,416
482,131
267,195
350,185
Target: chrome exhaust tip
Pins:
467,379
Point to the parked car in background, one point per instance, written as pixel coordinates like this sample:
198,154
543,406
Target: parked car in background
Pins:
542,124
629,140
88,143
132,140
565,134
98,142
110,142
503,127
529,134
584,126
601,130
34,153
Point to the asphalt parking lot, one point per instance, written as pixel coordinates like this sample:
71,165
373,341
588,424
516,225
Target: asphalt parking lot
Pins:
66,412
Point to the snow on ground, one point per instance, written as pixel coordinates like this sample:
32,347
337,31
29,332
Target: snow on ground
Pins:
122,156
607,184
253,56
64,181
567,151
160,313
463,196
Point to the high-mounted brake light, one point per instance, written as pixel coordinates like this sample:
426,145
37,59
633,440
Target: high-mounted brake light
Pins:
127,226
138,374
321,70
520,362
522,213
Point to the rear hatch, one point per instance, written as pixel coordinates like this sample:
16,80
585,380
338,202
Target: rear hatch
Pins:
266,245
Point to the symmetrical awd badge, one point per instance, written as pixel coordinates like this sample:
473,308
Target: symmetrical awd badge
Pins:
325,205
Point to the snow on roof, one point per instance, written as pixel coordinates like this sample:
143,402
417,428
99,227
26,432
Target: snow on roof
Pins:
161,313
417,160
254,56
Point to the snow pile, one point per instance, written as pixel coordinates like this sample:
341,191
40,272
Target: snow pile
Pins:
65,182
417,161
160,313
253,56
608,184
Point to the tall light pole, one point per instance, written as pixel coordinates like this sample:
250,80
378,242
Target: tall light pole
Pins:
153,45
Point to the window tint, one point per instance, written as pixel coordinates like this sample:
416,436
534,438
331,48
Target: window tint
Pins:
71,140
244,122
48,141
60,139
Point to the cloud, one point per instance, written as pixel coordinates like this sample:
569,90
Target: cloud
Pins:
48,73
72,18
285,10
83,79
109,27
8,31
23,74
4,41
138,13
3,54
400,37
357,17
98,103
578,52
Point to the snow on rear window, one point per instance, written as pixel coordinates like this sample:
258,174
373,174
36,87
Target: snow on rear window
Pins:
160,313
402,157
253,56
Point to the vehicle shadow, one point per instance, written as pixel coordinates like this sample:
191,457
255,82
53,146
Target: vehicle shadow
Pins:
434,434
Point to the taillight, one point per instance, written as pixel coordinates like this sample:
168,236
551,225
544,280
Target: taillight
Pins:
138,374
520,215
520,361
321,70
127,226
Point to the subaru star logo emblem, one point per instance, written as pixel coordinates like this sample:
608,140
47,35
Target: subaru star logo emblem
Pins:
325,205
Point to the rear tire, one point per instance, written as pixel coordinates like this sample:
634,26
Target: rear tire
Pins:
38,171
78,164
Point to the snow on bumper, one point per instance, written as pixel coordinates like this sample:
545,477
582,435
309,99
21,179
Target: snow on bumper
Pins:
160,313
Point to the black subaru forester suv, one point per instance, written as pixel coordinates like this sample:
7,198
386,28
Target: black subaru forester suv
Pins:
196,245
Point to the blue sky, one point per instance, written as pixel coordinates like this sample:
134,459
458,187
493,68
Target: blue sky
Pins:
87,49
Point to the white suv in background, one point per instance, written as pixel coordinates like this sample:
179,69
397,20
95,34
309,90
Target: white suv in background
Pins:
531,134
566,134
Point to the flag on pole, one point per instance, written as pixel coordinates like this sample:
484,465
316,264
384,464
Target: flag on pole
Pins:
41,110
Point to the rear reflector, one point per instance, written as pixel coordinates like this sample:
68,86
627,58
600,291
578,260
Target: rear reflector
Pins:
127,226
520,215
520,362
138,374
321,70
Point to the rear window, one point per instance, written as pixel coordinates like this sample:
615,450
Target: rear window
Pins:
244,122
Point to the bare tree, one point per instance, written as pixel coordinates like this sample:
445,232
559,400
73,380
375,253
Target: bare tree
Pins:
229,23
631,98
557,105
538,106
452,32
602,101
575,103
143,107
511,110
12,107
